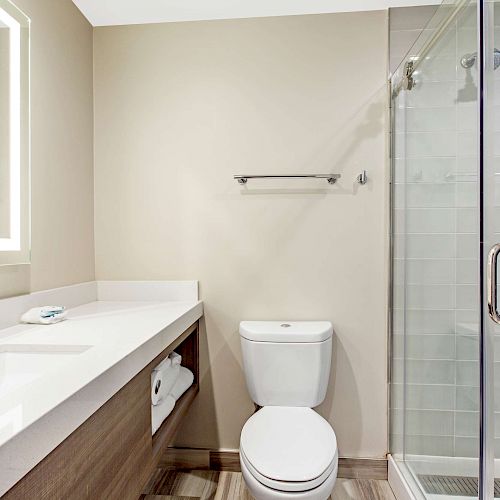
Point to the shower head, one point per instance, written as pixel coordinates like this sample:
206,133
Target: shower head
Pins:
468,60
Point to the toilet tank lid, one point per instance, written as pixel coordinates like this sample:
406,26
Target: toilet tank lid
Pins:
286,331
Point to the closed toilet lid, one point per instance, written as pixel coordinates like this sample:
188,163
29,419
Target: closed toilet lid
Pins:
289,444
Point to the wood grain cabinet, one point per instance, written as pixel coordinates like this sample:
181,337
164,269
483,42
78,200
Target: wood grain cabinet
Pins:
112,454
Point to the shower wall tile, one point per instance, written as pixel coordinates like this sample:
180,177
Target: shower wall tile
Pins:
467,194
467,373
466,447
466,40
425,195
467,220
429,397
467,271
428,170
467,322
467,143
430,372
430,246
425,220
429,322
422,372
467,117
423,144
467,398
466,424
427,346
424,272
467,246
467,348
440,67
442,119
432,94
467,297
430,296
430,422
468,166
430,445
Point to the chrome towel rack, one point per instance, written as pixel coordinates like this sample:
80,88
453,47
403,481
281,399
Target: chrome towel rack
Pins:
331,178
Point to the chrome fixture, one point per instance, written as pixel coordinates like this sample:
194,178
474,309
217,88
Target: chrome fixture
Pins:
468,60
408,82
331,178
492,283
362,178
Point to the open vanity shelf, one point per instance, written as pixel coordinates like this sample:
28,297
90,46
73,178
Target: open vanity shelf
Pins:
187,346
112,454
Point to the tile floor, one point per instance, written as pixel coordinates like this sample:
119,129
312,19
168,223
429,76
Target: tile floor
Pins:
211,485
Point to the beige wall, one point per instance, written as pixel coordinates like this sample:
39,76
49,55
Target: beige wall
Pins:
62,150
179,109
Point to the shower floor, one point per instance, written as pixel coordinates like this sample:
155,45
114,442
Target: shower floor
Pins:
442,478
453,485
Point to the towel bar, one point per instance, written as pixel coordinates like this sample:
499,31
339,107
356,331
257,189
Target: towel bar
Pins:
331,178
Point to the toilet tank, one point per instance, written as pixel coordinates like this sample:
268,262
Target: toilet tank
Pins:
287,363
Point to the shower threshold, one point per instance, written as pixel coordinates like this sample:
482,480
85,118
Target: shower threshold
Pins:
452,485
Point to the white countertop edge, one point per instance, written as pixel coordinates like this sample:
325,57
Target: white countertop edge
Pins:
27,448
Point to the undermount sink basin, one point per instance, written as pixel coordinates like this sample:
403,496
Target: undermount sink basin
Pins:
21,364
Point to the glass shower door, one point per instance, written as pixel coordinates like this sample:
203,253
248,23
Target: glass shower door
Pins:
487,65
435,390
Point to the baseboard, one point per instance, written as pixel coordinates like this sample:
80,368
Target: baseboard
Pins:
229,460
362,468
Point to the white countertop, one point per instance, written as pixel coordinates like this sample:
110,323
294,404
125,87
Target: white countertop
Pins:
98,350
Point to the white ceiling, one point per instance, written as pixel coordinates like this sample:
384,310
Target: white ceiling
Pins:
114,12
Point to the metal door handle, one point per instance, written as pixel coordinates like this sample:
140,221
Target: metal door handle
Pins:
492,283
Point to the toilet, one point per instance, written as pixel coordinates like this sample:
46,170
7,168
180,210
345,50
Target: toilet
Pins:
287,450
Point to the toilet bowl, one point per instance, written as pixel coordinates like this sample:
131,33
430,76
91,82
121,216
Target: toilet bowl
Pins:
287,450
288,453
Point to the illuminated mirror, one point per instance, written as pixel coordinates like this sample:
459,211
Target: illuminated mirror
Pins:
14,136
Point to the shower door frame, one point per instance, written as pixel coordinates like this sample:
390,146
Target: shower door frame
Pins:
485,68
485,65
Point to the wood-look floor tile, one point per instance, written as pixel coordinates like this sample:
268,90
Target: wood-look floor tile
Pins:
232,486
197,483
166,497
362,489
212,485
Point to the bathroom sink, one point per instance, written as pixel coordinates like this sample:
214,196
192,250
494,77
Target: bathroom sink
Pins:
21,364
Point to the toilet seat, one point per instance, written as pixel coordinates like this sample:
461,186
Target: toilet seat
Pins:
295,486
289,449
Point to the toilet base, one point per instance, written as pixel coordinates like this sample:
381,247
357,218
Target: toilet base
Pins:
262,492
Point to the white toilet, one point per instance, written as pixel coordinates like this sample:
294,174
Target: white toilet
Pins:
287,450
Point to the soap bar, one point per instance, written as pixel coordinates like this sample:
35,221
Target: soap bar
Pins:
45,315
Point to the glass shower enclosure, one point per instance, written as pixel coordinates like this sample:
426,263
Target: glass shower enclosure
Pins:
445,343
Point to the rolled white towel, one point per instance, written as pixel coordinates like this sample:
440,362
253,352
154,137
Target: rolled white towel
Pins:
184,382
46,315
164,364
175,358
156,382
160,412
169,378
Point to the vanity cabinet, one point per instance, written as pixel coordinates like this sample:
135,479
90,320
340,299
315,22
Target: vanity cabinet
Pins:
112,454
